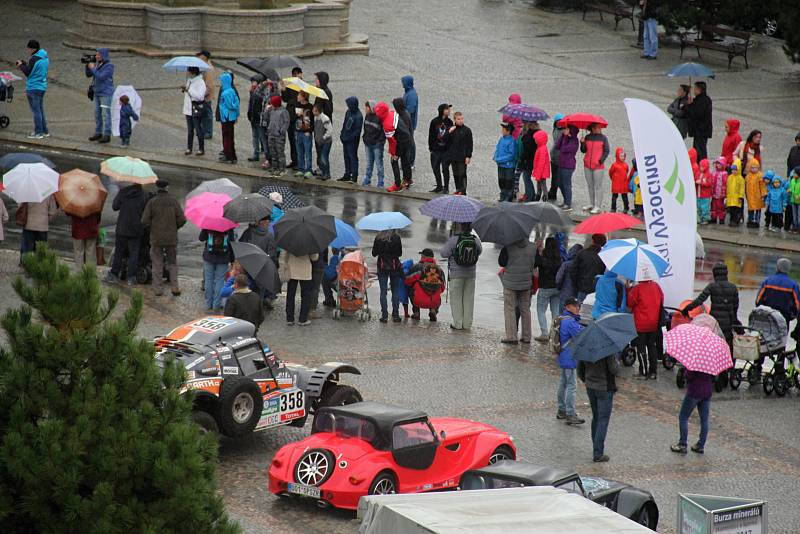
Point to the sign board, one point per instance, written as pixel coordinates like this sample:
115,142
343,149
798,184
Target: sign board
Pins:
707,514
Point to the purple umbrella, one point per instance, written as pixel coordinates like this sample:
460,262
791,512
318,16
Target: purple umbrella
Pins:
452,208
524,112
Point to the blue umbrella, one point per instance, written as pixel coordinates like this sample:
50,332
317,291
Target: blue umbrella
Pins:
181,63
633,259
454,208
346,235
692,70
384,220
609,334
524,112
9,161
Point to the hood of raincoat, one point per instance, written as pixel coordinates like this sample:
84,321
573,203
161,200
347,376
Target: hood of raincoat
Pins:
399,105
514,98
704,165
225,80
103,53
721,161
573,250
540,136
720,272
733,125
408,82
692,156
769,175
352,103
736,167
619,153
381,109
323,78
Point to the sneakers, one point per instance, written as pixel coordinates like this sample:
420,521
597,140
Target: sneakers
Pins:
587,208
304,323
290,323
299,173
253,158
384,319
567,209
329,303
574,420
697,448
393,188
561,415
33,135
436,189
594,211
95,137
680,449
307,175
542,339
110,278
432,317
396,318
509,341
104,139
601,458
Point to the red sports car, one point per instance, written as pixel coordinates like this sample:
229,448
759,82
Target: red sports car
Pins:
368,448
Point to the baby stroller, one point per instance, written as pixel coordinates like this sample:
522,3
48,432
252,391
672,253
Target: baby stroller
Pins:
763,337
6,96
352,283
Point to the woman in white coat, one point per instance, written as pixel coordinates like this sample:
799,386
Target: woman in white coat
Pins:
194,95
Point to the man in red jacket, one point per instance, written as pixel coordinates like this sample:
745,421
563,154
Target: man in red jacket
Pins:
400,142
645,300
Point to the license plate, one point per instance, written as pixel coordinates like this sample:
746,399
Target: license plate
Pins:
302,489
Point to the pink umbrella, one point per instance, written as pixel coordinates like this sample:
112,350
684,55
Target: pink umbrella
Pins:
698,348
205,212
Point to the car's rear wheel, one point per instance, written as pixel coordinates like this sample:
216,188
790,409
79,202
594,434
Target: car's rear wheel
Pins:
503,452
647,517
314,467
383,484
240,406
339,395
206,422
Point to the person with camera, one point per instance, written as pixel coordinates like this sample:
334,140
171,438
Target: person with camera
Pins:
194,104
101,70
35,70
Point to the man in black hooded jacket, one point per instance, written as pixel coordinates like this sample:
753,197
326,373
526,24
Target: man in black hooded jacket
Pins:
322,82
437,144
724,300
400,107
129,202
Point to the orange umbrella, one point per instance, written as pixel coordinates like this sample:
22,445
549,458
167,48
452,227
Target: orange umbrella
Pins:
81,193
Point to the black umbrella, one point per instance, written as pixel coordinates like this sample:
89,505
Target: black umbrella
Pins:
9,161
283,62
306,230
504,224
259,65
546,213
258,265
251,207
290,198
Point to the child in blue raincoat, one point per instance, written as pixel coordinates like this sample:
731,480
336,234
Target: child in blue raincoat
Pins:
126,116
402,290
776,201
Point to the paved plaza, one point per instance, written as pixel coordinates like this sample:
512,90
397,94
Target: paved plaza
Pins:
471,53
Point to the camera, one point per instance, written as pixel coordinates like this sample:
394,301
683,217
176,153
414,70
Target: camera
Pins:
88,58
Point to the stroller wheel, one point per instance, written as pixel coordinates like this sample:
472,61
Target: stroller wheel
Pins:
668,362
628,356
720,382
769,384
753,375
781,385
680,378
142,275
735,378
4,121
336,313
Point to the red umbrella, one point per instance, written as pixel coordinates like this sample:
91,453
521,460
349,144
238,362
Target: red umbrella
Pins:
582,120
605,223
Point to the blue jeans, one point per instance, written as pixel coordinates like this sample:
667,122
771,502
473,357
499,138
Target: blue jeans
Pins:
323,158
302,142
566,392
29,240
36,103
565,185
259,141
384,279
374,155
528,183
650,37
214,277
544,298
505,181
687,407
102,115
350,150
795,216
601,402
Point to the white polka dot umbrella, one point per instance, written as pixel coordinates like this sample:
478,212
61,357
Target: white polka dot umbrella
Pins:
698,348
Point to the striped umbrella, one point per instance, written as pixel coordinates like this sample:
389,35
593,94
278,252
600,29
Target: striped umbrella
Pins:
633,259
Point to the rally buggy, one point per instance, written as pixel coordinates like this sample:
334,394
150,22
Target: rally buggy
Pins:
240,385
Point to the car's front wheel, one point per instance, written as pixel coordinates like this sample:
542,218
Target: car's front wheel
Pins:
383,484
206,422
503,452
240,406
647,517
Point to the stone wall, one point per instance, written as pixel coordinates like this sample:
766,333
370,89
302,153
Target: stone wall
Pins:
240,31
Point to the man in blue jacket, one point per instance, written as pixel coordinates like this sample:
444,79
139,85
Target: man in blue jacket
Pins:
350,136
411,101
35,70
569,328
228,113
780,292
102,73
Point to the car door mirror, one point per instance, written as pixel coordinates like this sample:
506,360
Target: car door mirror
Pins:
442,435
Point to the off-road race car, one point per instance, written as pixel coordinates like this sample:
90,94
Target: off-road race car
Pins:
241,386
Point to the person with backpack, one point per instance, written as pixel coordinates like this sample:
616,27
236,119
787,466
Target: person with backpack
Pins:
548,261
566,327
217,257
426,281
461,251
388,247
564,282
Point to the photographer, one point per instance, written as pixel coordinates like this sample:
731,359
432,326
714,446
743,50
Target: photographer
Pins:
35,70
101,90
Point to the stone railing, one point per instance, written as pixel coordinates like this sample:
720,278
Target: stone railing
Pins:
219,28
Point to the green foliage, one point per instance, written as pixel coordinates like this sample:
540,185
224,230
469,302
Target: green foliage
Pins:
738,14
94,437
790,21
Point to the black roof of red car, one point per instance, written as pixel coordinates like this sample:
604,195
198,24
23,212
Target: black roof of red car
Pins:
383,416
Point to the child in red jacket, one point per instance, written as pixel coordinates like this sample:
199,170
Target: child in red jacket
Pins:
704,183
619,180
426,285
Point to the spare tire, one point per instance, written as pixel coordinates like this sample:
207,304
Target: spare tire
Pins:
240,406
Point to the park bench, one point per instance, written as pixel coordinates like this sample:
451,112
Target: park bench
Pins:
706,39
618,8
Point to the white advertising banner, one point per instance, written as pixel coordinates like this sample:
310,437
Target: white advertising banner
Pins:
668,195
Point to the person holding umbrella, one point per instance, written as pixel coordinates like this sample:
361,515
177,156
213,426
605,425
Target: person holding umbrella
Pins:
210,81
388,248
699,111
596,149
518,260
217,256
194,93
297,270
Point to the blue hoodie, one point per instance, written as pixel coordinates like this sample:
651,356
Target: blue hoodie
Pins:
505,153
103,75
777,197
353,121
228,99
36,71
411,99
570,327
402,290
126,115
609,295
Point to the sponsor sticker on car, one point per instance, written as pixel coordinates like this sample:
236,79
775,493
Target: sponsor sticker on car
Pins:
230,370
281,408
302,489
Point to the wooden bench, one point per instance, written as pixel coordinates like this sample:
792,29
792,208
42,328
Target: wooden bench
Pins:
620,10
706,40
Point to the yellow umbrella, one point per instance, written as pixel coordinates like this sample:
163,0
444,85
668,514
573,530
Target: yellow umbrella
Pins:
298,84
80,193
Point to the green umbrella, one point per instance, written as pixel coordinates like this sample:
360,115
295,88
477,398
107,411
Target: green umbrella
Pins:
128,169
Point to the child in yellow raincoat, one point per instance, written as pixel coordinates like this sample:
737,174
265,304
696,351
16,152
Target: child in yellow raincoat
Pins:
734,197
755,191
633,186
